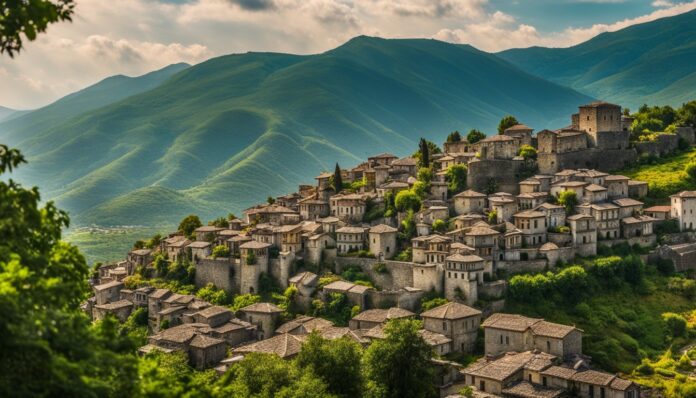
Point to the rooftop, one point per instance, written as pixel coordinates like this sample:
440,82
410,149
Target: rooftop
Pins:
451,310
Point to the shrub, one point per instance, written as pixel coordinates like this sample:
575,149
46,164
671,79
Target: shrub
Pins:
212,295
407,200
221,251
475,136
432,303
645,369
381,268
439,226
690,170
675,324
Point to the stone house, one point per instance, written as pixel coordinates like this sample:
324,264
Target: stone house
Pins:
532,224
595,177
527,201
466,220
555,214
393,187
629,207
432,213
139,296
349,207
659,213
203,351
356,294
607,216
683,255
383,159
530,185
498,147
175,247
304,325
315,246
508,332
521,132
469,202
458,322
575,186
235,242
504,207
139,258
285,345
290,238
350,239
269,214
200,250
683,206
407,165
107,292
501,375
583,229
206,351
371,318
264,315
463,275
633,227
206,233
313,209
254,258
637,189
597,117
121,309
595,193
155,303
382,241
213,316
483,239
617,186
305,282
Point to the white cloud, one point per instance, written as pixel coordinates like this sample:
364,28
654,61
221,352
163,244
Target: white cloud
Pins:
139,36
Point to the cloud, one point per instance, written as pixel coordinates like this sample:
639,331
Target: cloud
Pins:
255,5
662,3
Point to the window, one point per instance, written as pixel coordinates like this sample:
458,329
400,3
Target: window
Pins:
501,339
548,347
601,392
543,381
482,385
444,325
591,391
507,340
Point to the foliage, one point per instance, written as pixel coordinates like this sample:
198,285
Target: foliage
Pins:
528,152
456,178
161,265
675,324
408,226
493,217
399,365
475,136
405,255
568,199
407,200
425,151
28,18
244,300
337,309
268,285
189,224
690,170
381,268
454,136
355,274
213,295
506,122
439,226
221,251
425,174
220,222
665,177
336,362
432,303
373,211
250,258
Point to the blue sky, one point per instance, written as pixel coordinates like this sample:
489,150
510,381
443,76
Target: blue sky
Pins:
133,37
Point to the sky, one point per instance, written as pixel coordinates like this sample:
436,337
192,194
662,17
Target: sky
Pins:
133,37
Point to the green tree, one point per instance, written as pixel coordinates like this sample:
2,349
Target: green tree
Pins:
528,152
493,217
407,200
425,175
456,178
568,199
244,300
432,303
454,136
475,136
399,365
408,226
221,251
220,222
28,18
506,122
48,346
154,241
161,264
189,224
337,179
424,153
212,295
690,170
270,200
439,226
336,362
675,324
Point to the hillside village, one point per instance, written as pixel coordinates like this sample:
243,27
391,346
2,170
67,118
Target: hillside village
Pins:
449,223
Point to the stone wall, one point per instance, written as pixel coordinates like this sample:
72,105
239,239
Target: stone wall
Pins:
220,272
394,298
516,267
495,289
663,145
611,140
644,241
604,160
399,275
687,133
559,239
504,172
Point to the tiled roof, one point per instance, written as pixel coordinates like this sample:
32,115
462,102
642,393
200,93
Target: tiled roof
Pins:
381,315
284,345
594,377
306,323
202,341
267,308
451,310
252,244
550,329
470,194
512,322
525,389
382,228
460,258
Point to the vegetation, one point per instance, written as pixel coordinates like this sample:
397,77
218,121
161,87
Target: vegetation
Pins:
25,19
475,136
213,295
189,224
221,251
439,226
456,178
506,122
568,199
454,137
528,152
337,179
337,309
665,176
407,200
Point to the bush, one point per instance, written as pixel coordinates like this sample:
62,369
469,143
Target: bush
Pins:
675,324
213,295
381,268
407,200
645,369
432,303
221,251
439,226
690,170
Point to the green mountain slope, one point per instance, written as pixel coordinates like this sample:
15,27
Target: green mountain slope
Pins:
652,63
5,112
226,133
105,92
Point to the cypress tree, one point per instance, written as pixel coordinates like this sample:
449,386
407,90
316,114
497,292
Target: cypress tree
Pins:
337,180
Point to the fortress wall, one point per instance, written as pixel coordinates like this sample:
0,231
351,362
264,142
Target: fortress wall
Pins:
505,172
218,272
399,275
664,145
595,158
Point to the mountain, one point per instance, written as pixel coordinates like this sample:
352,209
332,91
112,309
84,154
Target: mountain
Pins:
224,134
105,92
6,113
650,63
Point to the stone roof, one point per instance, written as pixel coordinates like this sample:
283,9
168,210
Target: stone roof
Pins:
382,229
160,293
559,371
253,244
637,219
267,308
497,138
593,377
385,155
208,228
329,219
307,324
621,384
575,217
434,339
451,310
548,206
323,176
513,322
550,329
339,285
470,194
351,230
407,161
500,200
180,333
525,389
202,341
636,182
395,184
509,364
141,252
199,244
239,238
460,258
600,104
548,246
595,188
284,345
481,231
658,209
518,127
684,194
304,278
381,315
626,202
213,311
335,332
529,214
108,285
115,305
615,178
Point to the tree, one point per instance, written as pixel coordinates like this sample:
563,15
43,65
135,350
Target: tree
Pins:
456,178
220,222
29,17
270,200
408,226
399,365
506,122
475,136
675,324
690,170
337,179
407,200
425,174
528,152
244,300
439,226
161,264
454,137
493,217
189,224
212,294
568,199
424,153
336,362
48,346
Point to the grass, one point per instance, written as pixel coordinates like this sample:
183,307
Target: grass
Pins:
665,176
101,244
